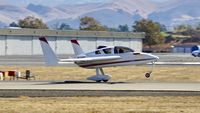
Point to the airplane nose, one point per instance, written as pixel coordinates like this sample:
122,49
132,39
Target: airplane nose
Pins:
153,57
156,58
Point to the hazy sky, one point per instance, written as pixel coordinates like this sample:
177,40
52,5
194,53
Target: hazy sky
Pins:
159,0
55,2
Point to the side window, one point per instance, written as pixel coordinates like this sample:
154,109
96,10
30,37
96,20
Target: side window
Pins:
107,51
119,50
127,50
97,52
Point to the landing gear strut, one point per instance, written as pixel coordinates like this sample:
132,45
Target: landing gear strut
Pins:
147,75
100,76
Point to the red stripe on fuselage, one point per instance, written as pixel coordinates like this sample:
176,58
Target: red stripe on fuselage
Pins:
107,63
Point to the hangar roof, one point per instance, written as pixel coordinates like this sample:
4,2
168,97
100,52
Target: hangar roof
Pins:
70,33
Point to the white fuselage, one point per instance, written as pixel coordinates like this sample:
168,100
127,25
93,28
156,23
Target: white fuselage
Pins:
126,58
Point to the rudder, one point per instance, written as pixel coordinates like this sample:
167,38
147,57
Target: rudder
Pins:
49,56
77,49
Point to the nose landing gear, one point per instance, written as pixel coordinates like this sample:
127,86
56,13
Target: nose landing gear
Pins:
147,75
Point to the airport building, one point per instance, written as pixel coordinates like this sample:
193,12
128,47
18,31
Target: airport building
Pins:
25,41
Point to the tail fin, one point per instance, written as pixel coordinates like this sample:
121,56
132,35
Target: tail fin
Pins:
49,56
77,49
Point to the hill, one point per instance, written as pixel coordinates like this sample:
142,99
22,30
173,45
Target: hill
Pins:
178,12
112,14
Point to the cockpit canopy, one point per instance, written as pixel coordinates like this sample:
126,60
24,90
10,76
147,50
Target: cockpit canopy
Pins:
100,47
113,50
118,50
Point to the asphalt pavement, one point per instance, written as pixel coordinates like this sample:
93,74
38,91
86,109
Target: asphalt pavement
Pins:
87,88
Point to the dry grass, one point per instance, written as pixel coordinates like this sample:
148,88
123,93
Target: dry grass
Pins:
129,73
101,105
106,104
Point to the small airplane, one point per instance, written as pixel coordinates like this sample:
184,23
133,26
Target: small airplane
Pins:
196,51
104,56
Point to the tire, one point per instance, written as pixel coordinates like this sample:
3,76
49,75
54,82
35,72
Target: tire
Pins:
147,75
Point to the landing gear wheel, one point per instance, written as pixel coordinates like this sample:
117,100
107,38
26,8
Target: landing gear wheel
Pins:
147,75
100,76
105,80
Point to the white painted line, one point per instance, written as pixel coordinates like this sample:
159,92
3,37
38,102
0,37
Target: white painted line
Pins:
177,63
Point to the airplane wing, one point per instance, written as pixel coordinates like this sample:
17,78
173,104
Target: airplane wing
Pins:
87,59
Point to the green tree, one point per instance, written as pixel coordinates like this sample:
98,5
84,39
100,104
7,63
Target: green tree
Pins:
32,22
113,29
89,23
198,27
163,28
123,28
13,24
181,28
65,26
153,35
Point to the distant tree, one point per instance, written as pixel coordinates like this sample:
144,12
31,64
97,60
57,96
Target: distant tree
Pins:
13,24
189,31
32,22
186,30
113,29
180,28
198,27
65,26
55,26
123,28
153,35
162,27
89,23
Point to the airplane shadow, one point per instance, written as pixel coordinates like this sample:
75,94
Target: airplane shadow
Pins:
81,82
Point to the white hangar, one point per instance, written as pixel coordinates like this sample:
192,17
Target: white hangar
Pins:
25,41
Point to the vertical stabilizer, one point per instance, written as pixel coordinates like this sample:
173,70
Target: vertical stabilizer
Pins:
49,56
77,49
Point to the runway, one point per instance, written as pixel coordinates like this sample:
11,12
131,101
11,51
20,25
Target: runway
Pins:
178,63
85,88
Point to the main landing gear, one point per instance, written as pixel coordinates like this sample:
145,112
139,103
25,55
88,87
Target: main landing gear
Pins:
147,75
100,76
